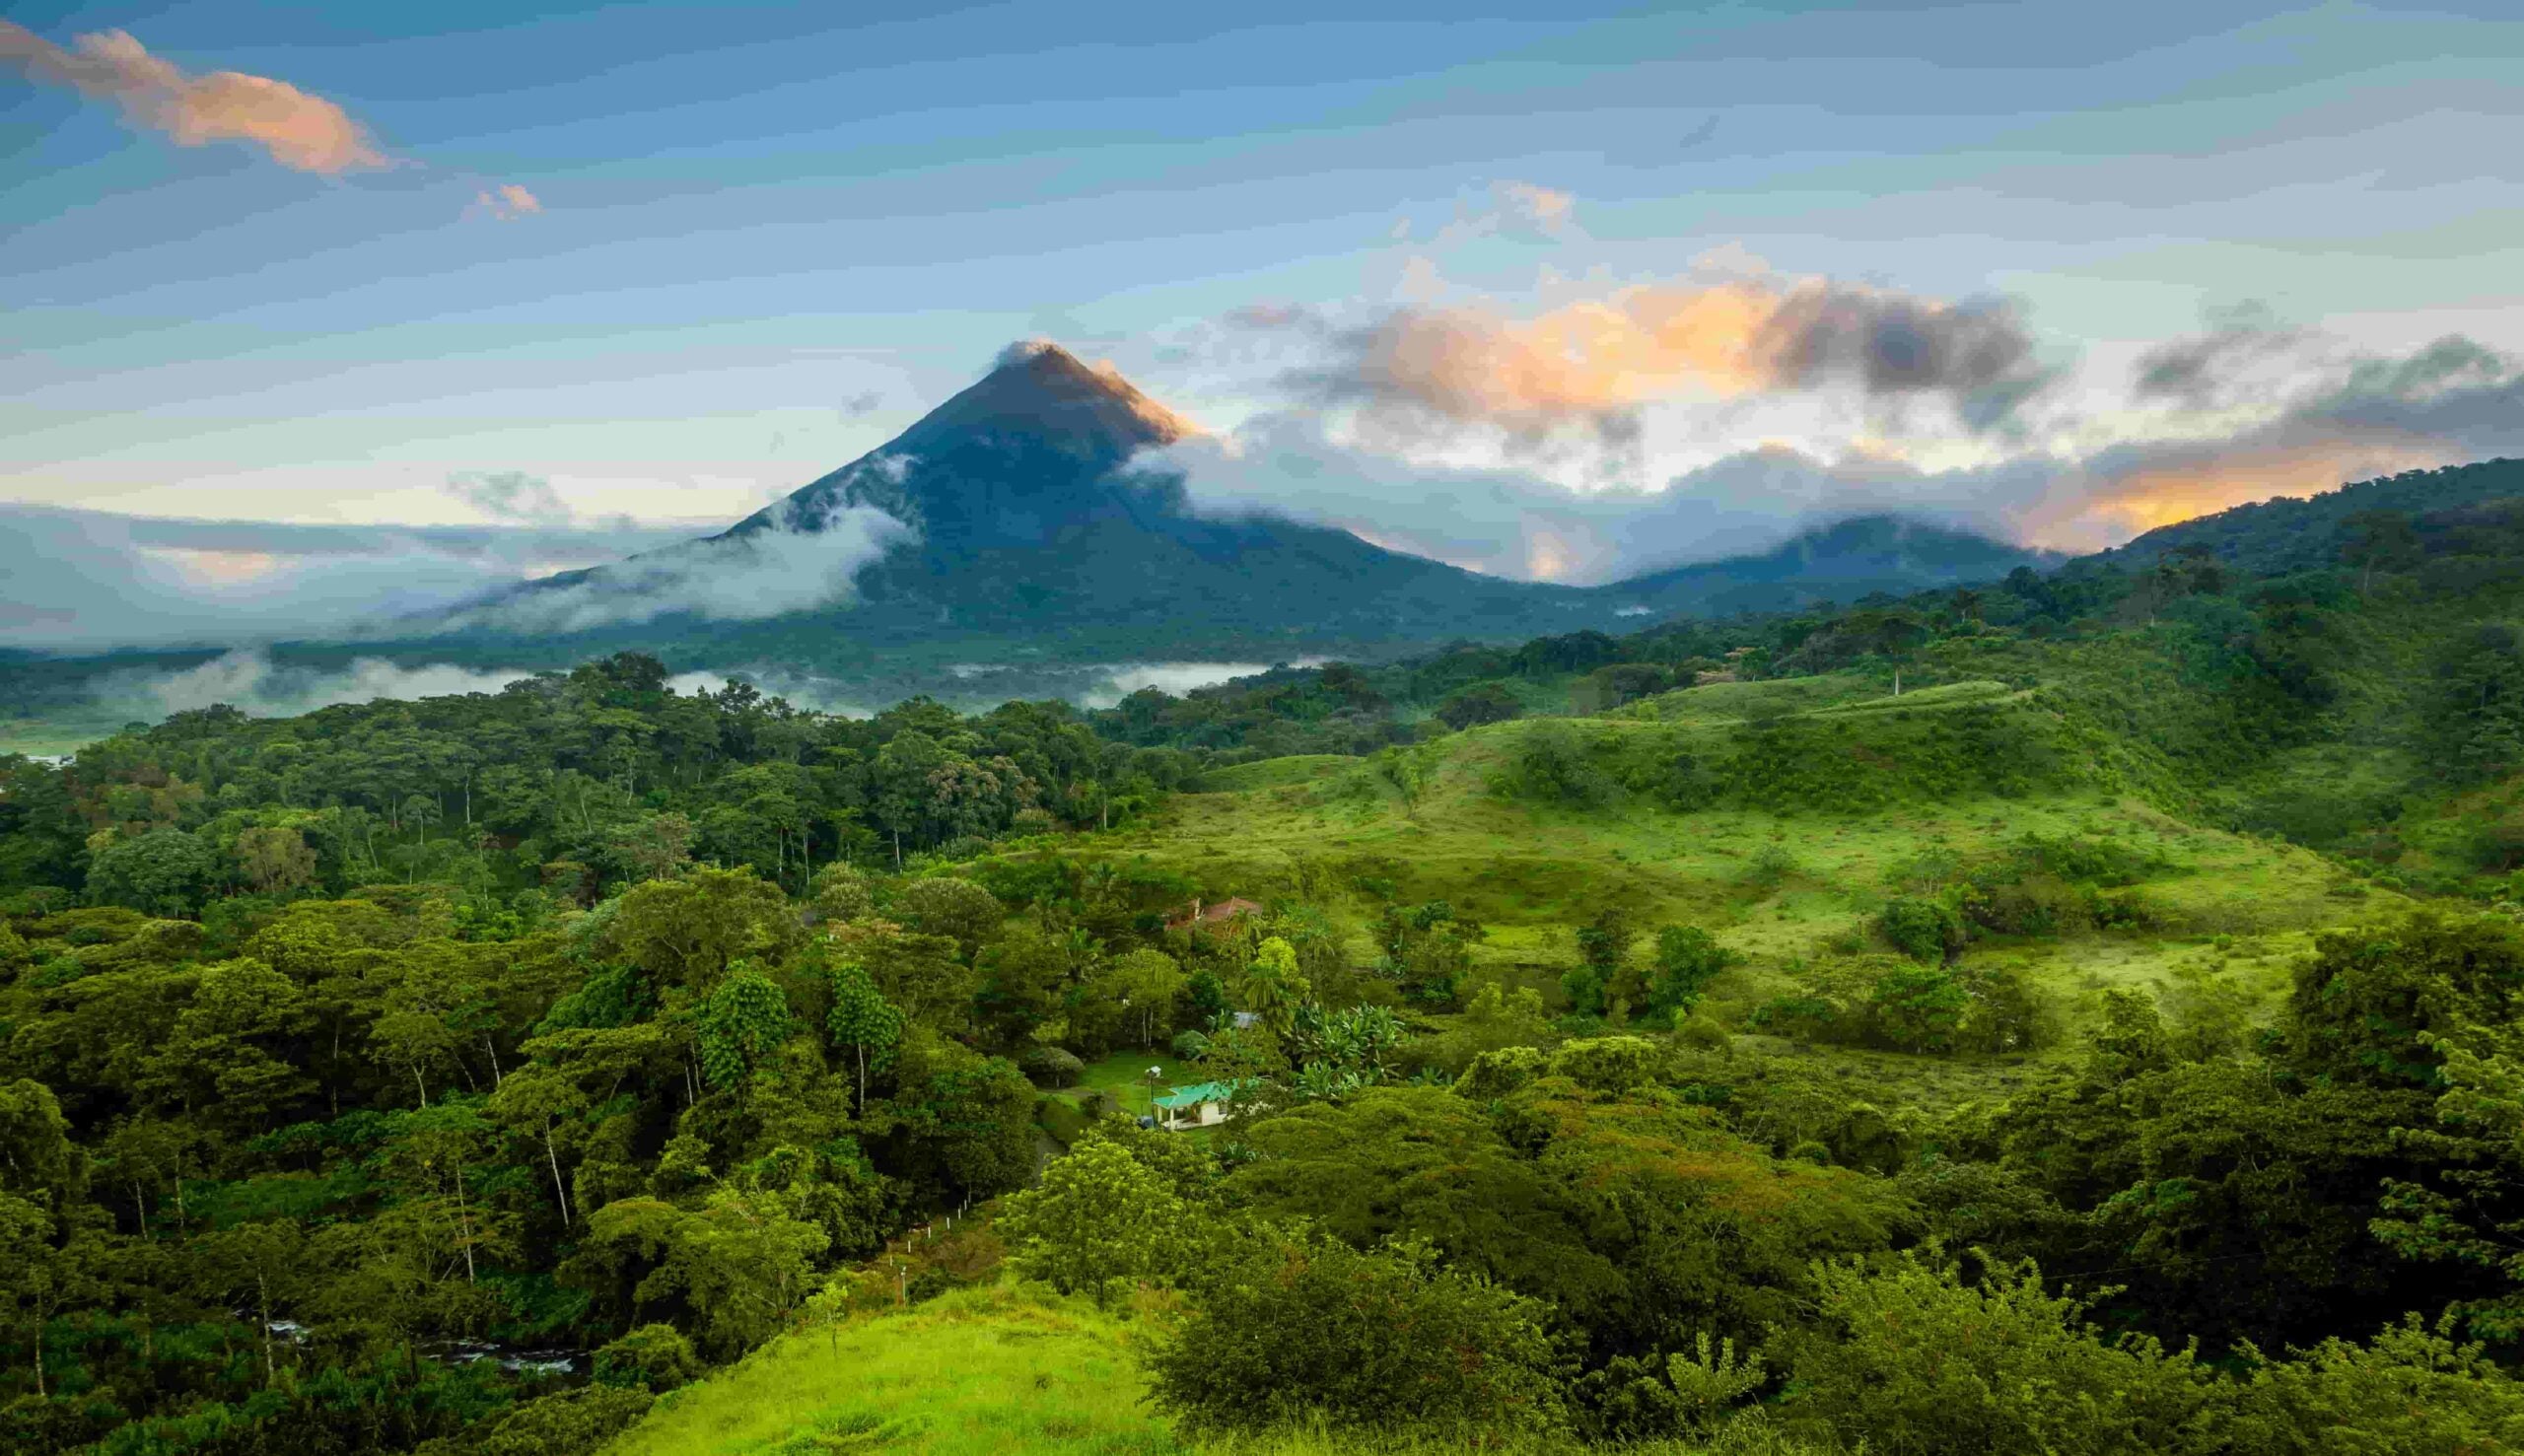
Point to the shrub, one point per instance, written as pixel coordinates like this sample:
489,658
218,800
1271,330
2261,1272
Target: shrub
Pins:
1687,960
1483,702
1050,1066
1911,1359
1304,1328
570,1423
1612,1066
1917,1008
654,1357
2411,1389
1921,929
1496,1073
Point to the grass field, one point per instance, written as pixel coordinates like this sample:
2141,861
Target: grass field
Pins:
1782,890
977,1372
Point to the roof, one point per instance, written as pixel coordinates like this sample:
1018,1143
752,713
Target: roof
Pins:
1211,915
1198,1093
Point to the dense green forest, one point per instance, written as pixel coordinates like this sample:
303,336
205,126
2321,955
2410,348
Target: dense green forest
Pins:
2082,1012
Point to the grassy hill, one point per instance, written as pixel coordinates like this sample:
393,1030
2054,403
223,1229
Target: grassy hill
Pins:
976,1373
1816,798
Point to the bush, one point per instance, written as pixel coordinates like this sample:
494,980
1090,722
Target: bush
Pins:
1554,765
1483,702
1687,960
1921,929
570,1423
2410,1390
1611,1065
1304,1328
1910,1358
654,1357
1050,1066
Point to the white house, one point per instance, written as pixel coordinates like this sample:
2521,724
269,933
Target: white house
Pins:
1202,1106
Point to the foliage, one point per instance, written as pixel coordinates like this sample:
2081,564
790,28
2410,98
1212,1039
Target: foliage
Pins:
1097,1222
1303,1327
1914,1359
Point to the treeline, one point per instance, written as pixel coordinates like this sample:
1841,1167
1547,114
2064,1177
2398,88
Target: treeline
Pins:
565,785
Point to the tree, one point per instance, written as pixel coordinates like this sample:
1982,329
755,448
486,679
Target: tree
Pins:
1274,988
1096,1220
1486,702
2378,538
735,1268
274,859
959,909
688,932
38,1277
744,1018
164,871
863,1024
264,1261
1687,960
227,1061
1603,950
901,785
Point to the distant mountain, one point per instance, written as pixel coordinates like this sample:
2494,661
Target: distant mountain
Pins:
2292,535
1840,563
1028,530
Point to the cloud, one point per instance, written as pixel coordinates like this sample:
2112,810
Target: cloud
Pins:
297,130
249,680
737,576
511,495
1591,362
2453,400
507,202
860,406
1546,210
1526,212
92,580
2217,368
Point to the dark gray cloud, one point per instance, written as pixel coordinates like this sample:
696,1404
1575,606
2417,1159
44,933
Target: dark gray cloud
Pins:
2219,365
1976,353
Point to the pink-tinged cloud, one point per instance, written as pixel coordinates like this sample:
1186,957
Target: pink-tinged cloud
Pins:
1594,359
300,131
507,200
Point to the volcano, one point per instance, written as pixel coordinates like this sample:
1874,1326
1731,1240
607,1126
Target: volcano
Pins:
1018,517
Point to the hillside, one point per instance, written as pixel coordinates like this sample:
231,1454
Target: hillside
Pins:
2290,533
981,1371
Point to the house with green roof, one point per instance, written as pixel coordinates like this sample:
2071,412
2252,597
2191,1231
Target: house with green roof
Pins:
1201,1105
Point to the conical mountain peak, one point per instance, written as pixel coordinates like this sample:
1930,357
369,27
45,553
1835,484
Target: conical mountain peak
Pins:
1042,391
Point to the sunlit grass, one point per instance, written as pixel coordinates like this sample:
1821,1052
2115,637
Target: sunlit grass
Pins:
988,1370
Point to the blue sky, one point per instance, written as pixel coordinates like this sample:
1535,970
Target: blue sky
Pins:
769,237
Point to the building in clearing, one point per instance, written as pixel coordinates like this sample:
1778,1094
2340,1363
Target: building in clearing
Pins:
1210,917
1202,1106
